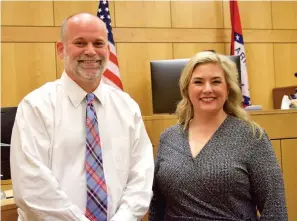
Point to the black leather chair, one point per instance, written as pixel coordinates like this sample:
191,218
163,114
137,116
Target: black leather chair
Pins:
7,121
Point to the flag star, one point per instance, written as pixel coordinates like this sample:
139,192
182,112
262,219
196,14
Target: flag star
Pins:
237,37
102,17
108,16
104,2
99,10
106,9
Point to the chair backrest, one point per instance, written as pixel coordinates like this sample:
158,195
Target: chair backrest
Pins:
165,75
7,121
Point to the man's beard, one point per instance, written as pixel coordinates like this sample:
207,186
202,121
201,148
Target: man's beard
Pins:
76,69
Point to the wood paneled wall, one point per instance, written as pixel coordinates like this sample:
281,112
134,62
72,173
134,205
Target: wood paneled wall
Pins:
150,30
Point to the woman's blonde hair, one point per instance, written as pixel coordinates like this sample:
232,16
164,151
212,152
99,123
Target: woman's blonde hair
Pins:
232,106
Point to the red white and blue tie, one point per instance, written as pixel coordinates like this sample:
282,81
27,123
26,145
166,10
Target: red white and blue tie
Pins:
96,209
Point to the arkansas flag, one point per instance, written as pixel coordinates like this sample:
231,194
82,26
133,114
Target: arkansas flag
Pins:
237,48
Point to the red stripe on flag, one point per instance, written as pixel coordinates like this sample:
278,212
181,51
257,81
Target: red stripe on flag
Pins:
235,17
112,77
235,22
113,59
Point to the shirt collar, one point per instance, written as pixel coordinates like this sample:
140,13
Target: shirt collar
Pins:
76,94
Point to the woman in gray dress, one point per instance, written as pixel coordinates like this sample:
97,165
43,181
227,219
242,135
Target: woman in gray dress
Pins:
216,164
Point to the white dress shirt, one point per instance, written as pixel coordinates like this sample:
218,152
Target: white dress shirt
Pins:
48,153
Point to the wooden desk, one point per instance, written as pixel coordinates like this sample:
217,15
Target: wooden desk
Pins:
278,124
8,210
8,207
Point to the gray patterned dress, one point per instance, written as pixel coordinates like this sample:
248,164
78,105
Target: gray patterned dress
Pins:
233,174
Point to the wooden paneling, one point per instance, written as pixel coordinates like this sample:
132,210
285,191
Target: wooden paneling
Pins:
135,69
260,66
24,13
64,9
285,62
253,14
155,126
197,14
25,67
6,185
142,13
30,34
289,162
140,35
284,14
277,126
277,149
187,50
227,48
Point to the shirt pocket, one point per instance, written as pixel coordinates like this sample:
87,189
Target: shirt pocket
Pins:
121,153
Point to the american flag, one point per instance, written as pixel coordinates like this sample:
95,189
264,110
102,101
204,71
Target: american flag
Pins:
112,72
237,48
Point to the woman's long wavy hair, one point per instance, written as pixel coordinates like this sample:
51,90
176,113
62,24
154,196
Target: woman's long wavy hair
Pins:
232,106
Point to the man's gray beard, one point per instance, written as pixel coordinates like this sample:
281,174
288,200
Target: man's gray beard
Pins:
79,72
86,75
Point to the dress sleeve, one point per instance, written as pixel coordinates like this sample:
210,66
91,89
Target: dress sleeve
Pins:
267,184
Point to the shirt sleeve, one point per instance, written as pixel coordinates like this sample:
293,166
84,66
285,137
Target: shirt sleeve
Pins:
138,192
36,191
267,184
158,203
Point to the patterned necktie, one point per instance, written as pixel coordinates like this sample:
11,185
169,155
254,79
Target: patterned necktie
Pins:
96,187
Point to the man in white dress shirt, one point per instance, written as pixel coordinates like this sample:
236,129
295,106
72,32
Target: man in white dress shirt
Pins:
48,146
